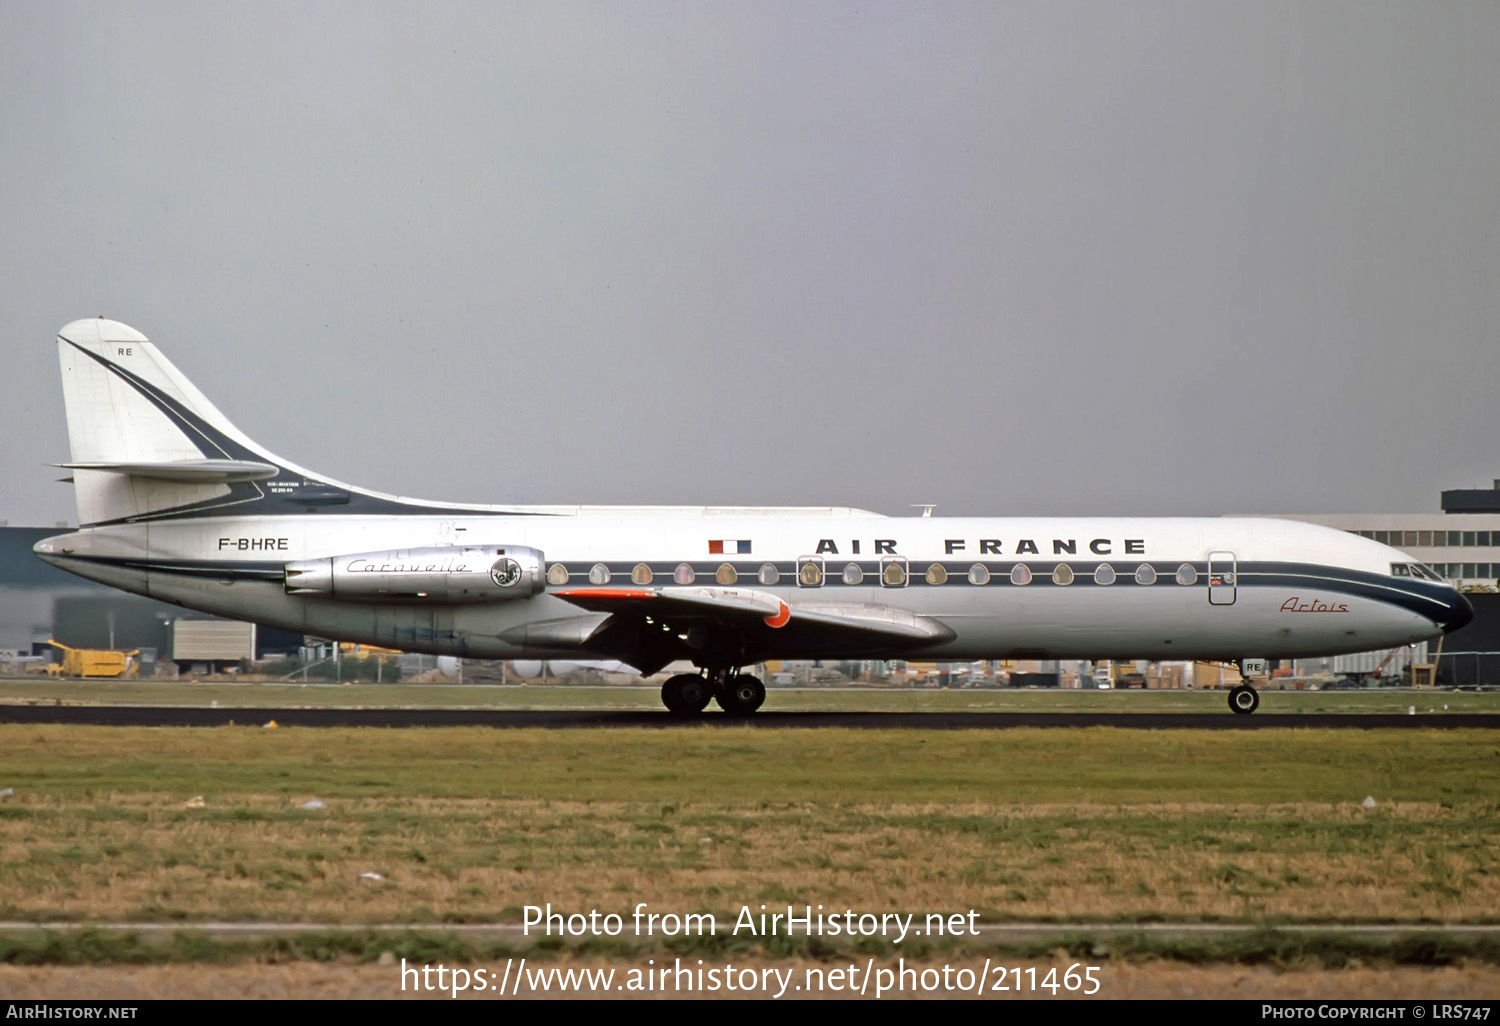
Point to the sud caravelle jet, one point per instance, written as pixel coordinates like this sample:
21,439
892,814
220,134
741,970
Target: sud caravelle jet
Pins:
176,503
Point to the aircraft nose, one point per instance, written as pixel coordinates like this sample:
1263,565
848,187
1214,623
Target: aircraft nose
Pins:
1460,612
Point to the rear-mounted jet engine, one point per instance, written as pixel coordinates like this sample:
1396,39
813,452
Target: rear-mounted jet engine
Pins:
472,573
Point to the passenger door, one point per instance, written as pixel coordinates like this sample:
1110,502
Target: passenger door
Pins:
1221,578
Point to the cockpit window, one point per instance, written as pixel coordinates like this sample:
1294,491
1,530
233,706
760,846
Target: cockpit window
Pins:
1418,570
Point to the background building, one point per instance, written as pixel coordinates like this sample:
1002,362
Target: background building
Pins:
1463,544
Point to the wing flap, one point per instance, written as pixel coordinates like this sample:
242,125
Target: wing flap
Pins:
732,603
871,618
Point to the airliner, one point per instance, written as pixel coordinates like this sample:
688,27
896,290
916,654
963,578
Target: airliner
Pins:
176,503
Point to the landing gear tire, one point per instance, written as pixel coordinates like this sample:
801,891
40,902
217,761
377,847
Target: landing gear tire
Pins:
1244,699
741,695
686,694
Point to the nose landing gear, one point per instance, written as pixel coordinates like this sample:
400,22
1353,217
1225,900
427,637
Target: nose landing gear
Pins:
1244,699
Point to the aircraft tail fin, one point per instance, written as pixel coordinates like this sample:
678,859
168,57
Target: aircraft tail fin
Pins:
145,442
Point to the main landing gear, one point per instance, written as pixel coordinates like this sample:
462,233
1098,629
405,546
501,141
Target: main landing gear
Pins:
738,694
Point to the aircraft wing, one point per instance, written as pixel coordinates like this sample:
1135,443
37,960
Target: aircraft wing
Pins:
741,625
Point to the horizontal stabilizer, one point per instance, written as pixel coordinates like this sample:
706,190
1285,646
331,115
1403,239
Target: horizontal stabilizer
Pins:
197,471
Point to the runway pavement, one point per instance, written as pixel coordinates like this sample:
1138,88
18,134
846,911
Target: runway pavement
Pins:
167,716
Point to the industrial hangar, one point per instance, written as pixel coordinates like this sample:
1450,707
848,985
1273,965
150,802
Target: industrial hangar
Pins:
40,604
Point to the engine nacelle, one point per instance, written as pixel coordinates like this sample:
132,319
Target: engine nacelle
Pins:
468,573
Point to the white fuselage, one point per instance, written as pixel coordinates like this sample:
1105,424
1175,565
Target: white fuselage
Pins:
1280,588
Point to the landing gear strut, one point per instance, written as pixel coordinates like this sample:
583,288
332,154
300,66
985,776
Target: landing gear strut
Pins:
738,694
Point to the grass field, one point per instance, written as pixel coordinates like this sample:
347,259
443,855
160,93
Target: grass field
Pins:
647,698
469,824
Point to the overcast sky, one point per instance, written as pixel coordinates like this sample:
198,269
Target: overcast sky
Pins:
1009,258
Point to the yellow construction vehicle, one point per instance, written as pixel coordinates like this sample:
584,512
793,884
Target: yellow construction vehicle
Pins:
93,662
